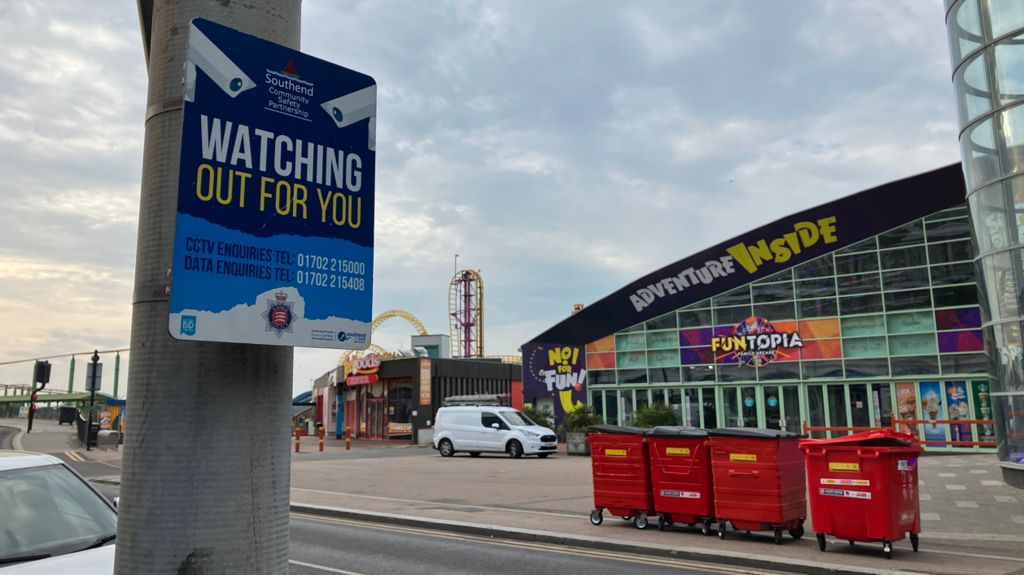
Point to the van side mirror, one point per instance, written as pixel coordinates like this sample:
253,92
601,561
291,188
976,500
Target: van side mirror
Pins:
495,426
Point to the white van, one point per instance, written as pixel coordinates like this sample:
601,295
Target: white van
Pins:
492,428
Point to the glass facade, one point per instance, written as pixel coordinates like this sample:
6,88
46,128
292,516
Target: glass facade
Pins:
986,39
886,328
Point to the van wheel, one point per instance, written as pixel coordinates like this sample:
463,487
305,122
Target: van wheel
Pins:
446,448
515,449
543,455
474,454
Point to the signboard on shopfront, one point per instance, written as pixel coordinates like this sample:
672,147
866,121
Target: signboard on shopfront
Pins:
354,380
425,382
556,371
755,343
274,229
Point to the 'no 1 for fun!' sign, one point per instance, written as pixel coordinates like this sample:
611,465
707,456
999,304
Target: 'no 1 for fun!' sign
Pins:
274,231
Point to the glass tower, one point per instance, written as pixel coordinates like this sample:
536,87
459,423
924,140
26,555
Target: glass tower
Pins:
986,42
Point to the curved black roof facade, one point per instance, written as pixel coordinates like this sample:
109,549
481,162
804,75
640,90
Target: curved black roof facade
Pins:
764,251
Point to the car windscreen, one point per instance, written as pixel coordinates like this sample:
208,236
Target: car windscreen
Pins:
515,419
49,511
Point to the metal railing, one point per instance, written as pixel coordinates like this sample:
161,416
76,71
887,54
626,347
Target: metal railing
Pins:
898,423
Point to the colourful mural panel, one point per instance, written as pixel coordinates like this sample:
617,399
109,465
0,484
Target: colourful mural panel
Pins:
954,341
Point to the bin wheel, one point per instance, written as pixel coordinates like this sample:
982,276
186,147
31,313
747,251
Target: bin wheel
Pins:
821,541
640,521
850,541
721,530
705,528
887,549
778,536
596,517
661,523
914,541
797,532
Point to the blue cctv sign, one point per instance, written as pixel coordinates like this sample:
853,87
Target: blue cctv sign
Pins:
274,229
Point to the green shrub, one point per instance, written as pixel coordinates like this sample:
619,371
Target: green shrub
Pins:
579,420
655,415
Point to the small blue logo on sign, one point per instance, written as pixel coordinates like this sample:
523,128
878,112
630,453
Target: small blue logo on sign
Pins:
188,325
748,401
342,336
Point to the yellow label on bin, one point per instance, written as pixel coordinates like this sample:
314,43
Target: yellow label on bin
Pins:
742,457
677,451
615,452
844,467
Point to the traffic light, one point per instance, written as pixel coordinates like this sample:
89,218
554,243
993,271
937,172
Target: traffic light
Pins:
42,373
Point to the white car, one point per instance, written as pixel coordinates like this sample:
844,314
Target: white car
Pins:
475,429
52,520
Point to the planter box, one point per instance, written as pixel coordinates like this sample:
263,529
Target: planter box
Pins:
577,444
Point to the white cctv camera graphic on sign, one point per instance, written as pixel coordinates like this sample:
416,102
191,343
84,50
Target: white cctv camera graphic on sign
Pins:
351,108
205,55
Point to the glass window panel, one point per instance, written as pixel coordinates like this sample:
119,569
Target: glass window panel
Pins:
1001,284
732,315
699,305
903,257
918,344
946,252
664,375
626,406
663,340
709,406
905,279
730,398
960,273
694,318
867,367
690,407
865,325
837,409
601,377
924,365
815,268
634,329
972,89
1016,196
958,341
948,214
1013,133
964,30
699,373
910,322
857,263
632,376
749,396
667,321
964,363
867,245
981,162
955,296
657,396
663,358
611,406
905,235
865,347
630,359
989,206
829,368
810,308
859,400
734,372
597,402
779,370
820,287
767,293
630,342
1011,408
962,318
775,311
863,283
736,296
779,277
881,396
904,300
1005,16
696,356
948,230
816,409
860,304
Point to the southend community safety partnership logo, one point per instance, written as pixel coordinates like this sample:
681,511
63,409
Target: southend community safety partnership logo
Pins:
756,343
279,314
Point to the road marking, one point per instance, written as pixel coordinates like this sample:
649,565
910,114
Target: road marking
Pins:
551,548
323,568
74,456
436,504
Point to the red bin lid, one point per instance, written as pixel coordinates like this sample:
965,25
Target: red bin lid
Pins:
619,429
677,431
881,437
753,433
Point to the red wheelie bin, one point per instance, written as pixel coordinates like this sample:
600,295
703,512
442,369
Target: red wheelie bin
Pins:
758,479
681,476
864,487
622,479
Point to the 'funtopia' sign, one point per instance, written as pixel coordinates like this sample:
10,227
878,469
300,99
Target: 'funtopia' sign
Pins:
756,343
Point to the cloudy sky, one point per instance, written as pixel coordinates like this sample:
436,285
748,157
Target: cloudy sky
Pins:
561,148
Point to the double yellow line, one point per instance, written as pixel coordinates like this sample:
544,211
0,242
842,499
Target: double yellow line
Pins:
548,547
74,456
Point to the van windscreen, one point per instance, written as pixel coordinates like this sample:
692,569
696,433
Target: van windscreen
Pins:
514,418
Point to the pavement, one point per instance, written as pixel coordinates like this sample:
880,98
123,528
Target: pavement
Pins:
972,523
